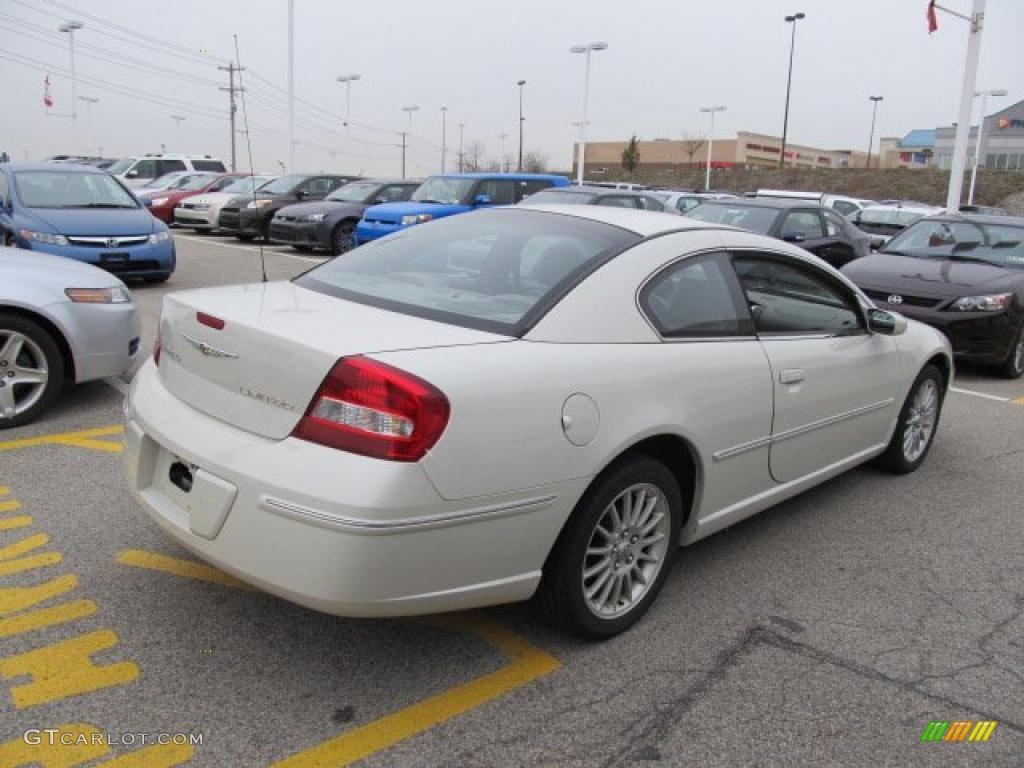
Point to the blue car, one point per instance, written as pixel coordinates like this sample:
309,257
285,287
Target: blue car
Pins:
452,193
83,213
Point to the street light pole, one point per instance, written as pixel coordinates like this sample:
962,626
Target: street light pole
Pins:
789,84
444,136
871,138
70,27
521,83
503,165
291,86
462,133
405,134
711,141
582,146
348,80
956,174
977,139
177,131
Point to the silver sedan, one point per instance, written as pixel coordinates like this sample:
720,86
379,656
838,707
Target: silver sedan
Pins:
61,322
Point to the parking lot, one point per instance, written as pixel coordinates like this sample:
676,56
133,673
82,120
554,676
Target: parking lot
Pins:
829,630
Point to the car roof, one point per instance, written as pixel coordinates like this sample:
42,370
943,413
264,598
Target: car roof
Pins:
499,175
53,167
643,223
778,203
595,190
980,218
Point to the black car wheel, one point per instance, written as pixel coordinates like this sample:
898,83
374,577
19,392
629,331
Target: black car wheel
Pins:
31,370
1013,368
303,248
341,237
245,238
615,552
918,421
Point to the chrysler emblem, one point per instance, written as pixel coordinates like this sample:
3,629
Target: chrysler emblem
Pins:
206,349
895,299
112,242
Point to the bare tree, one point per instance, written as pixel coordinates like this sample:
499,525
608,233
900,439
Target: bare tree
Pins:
692,145
475,156
535,162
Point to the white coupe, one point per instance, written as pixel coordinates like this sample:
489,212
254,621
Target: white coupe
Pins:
517,400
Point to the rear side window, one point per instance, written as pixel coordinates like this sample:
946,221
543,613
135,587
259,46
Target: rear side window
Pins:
695,297
618,201
207,165
534,185
807,223
501,191
496,270
169,166
844,207
650,203
148,169
684,204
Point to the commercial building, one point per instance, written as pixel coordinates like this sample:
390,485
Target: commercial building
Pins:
747,151
915,150
1002,141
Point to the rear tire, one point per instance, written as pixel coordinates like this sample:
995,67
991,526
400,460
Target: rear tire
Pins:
1013,367
616,550
303,248
246,238
919,419
30,353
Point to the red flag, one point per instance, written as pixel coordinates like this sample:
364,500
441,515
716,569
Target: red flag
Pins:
47,98
933,22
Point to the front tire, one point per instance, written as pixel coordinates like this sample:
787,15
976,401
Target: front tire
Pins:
615,552
1013,367
341,237
918,421
31,370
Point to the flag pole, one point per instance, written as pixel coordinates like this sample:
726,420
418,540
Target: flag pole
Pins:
963,126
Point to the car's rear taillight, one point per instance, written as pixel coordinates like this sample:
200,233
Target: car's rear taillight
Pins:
370,408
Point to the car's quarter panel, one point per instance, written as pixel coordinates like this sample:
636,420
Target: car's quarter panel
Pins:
279,340
333,530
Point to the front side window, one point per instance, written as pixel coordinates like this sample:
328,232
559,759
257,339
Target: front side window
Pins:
500,191
844,207
221,184
559,197
496,269
246,185
534,185
355,192
787,298
317,187
806,223
695,297
148,169
169,166
650,203
833,224
617,201
283,185
686,204
216,166
397,193
61,189
440,189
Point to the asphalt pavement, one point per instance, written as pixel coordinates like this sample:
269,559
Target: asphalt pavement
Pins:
829,630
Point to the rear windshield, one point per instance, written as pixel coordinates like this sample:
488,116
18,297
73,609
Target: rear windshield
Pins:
551,197
71,189
208,165
494,270
749,217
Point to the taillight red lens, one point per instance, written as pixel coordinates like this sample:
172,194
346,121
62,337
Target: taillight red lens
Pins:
157,345
372,409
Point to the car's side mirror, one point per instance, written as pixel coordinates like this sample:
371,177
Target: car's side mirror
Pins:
887,323
132,174
299,194
482,200
147,202
380,200
794,237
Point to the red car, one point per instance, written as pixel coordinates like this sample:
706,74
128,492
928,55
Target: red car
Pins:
162,202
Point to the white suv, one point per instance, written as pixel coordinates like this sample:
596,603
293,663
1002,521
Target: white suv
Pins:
139,171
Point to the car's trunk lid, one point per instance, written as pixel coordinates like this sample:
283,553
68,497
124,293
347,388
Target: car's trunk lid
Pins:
278,342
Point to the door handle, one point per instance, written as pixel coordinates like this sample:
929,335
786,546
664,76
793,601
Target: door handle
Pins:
791,375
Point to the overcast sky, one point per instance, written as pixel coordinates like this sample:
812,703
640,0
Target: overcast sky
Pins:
666,58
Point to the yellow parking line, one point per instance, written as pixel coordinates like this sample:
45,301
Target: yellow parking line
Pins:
1019,401
526,664
190,569
80,439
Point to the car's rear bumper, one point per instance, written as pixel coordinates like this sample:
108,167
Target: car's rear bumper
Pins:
331,530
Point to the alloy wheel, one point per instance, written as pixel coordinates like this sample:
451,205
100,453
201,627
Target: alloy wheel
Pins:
626,550
920,422
23,373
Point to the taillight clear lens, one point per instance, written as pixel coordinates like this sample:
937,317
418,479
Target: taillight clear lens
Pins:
373,409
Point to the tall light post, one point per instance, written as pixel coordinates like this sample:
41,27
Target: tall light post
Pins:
291,86
711,140
519,166
444,136
178,120
462,134
405,134
871,138
70,27
348,80
89,101
581,150
789,83
977,139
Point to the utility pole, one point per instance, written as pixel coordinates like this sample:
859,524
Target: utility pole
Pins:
963,127
291,86
231,69
521,83
503,166
462,133
90,100
69,28
871,139
444,136
402,145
